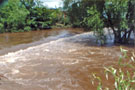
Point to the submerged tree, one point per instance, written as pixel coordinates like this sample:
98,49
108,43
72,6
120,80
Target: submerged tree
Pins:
116,14
119,15
94,22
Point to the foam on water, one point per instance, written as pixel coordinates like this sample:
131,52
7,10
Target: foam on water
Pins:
49,65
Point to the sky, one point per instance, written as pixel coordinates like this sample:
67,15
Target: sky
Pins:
52,3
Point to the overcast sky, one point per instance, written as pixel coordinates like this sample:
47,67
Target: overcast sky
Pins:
52,3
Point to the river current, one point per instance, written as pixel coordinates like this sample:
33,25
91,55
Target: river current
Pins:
54,60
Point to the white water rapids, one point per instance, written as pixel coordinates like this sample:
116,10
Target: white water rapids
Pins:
48,66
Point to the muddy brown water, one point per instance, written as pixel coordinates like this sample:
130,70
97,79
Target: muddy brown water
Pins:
54,60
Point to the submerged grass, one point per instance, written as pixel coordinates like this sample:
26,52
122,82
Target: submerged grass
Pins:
123,75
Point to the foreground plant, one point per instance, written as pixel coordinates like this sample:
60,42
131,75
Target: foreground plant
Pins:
123,80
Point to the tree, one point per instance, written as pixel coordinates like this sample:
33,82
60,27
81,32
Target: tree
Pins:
94,21
12,16
74,11
116,14
24,15
42,18
119,16
77,9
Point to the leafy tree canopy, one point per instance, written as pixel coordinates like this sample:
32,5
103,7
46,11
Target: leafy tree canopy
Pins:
119,15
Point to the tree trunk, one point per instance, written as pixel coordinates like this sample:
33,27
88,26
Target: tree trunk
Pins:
122,39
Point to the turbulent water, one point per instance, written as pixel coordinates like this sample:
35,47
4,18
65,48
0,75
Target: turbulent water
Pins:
53,60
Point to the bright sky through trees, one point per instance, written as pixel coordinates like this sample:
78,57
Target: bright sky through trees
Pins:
52,3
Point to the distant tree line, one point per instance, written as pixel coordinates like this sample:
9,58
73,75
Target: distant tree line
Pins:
27,15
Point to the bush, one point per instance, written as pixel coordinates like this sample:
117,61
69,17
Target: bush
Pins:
20,15
1,28
94,22
27,28
13,16
124,80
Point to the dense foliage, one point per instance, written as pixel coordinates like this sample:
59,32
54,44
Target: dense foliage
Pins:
119,15
12,17
26,15
93,21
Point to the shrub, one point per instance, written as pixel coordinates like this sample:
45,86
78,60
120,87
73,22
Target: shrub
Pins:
124,80
1,28
27,28
95,23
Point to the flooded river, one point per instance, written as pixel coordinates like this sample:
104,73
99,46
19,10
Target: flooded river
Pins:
54,60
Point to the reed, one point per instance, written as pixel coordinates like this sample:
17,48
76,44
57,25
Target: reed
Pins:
123,75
